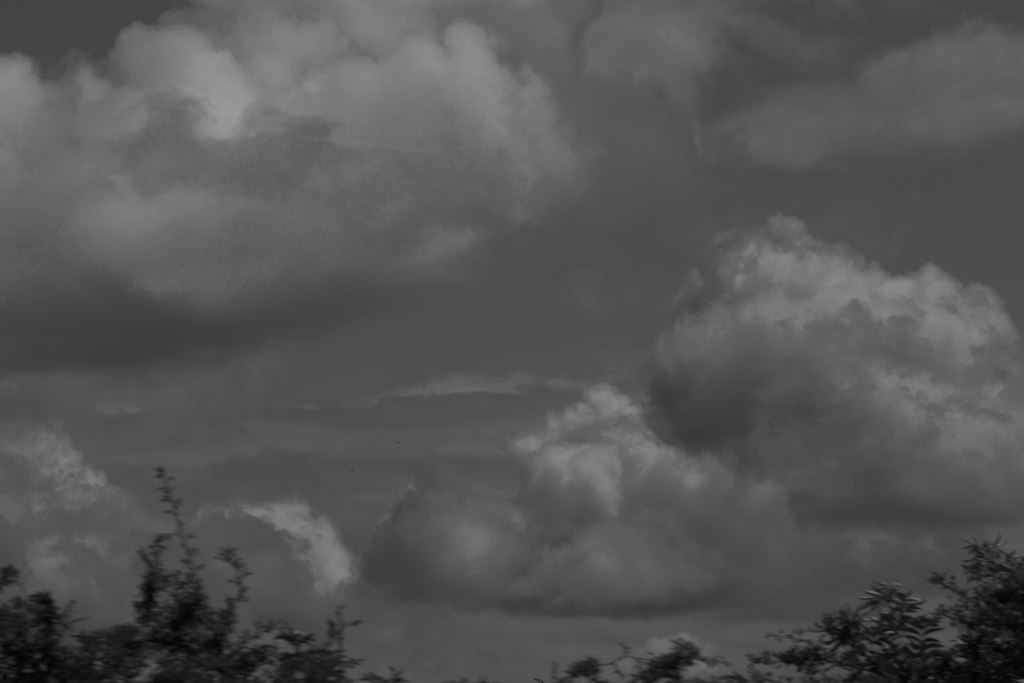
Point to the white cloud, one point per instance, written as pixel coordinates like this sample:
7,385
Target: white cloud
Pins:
51,476
313,538
950,91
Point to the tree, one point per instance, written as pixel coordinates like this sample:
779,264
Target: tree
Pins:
176,635
667,667
33,633
987,613
889,638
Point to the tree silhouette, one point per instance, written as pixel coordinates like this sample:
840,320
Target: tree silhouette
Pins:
178,635
889,638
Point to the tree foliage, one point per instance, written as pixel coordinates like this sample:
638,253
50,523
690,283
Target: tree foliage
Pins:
977,636
178,634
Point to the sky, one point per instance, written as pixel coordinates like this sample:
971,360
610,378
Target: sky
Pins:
522,327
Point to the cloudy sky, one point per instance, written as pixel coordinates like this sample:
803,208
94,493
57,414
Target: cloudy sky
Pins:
524,327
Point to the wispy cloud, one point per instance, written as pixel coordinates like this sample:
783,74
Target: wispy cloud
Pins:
512,384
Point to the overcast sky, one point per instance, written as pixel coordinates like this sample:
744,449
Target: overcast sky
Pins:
525,327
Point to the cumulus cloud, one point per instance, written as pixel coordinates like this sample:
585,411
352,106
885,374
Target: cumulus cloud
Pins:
313,539
811,419
591,530
73,531
949,91
65,524
868,395
245,168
